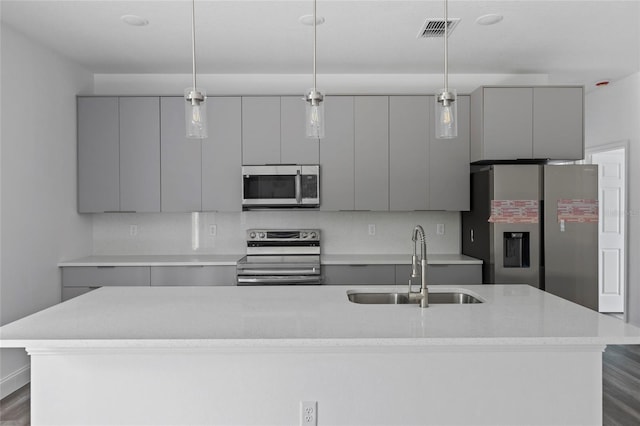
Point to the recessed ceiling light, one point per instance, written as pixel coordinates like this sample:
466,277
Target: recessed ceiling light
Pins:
489,19
135,20
308,20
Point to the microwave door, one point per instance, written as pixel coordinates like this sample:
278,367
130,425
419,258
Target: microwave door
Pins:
271,186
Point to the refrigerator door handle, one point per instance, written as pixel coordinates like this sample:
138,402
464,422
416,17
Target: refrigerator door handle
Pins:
471,235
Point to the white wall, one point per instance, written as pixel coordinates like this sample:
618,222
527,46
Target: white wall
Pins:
39,222
611,115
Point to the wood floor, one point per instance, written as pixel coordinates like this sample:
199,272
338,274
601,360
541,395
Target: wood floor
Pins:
620,385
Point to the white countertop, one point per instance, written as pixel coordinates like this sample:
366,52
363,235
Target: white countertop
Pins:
231,259
308,316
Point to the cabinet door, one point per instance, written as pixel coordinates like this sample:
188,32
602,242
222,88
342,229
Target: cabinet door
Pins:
337,155
140,154
409,152
193,275
99,276
295,147
71,292
371,153
558,123
180,160
98,155
222,156
449,180
261,130
508,123
359,274
443,274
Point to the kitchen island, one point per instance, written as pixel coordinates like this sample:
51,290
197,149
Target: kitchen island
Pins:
250,355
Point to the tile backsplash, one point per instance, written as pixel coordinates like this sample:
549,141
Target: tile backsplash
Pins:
224,233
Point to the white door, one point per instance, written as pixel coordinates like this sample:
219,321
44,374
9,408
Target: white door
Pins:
612,244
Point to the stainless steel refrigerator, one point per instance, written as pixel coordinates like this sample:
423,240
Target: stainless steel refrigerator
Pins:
537,225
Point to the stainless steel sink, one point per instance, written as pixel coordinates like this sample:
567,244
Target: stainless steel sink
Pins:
435,298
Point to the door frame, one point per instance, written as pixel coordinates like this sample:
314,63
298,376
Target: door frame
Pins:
612,146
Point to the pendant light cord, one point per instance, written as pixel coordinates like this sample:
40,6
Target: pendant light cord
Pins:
314,45
193,40
446,53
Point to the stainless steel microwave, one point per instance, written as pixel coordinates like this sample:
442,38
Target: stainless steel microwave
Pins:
280,186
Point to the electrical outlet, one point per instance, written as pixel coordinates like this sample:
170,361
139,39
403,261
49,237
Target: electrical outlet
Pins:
308,413
372,229
213,230
133,230
440,229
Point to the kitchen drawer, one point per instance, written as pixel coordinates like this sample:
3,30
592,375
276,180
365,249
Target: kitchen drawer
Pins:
71,292
359,274
443,274
196,275
98,276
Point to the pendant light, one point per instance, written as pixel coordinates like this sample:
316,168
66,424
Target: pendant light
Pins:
315,99
445,100
195,107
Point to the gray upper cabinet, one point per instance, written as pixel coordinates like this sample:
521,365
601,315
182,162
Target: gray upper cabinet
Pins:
140,154
295,147
261,130
180,160
371,118
558,128
513,123
409,131
337,155
449,164
273,131
222,156
98,155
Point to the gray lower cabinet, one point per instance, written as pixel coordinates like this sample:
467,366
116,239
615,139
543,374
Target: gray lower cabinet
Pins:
359,274
181,160
222,156
193,275
81,279
443,274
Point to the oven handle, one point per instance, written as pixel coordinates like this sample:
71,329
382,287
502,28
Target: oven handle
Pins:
287,272
279,280
298,187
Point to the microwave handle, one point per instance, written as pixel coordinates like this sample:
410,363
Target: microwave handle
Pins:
298,187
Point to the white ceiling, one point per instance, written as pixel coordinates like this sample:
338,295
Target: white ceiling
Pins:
582,41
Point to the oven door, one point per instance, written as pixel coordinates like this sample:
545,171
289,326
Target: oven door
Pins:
279,270
280,186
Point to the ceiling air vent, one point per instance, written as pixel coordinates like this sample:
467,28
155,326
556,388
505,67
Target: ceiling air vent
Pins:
434,28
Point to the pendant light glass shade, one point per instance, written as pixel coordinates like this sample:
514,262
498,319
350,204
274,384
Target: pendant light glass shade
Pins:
446,114
195,109
195,113
315,114
446,106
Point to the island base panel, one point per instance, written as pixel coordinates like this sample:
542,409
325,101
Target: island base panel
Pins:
353,386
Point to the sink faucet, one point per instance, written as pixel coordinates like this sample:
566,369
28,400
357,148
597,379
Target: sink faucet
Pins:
423,294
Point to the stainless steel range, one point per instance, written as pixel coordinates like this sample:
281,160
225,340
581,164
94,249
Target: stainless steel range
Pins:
281,257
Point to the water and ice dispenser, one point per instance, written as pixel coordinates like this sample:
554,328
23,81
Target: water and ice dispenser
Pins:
516,251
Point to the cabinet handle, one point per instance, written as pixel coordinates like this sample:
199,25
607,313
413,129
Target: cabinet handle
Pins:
471,235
